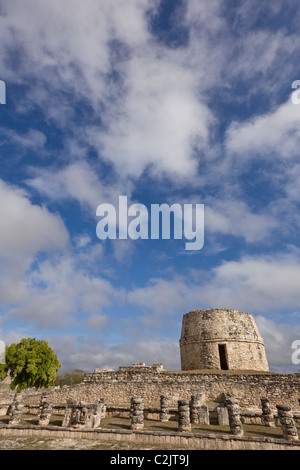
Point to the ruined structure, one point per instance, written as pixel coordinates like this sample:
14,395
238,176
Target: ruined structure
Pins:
16,410
82,420
287,422
184,423
137,413
267,415
164,408
214,341
221,339
83,415
235,422
45,410
205,333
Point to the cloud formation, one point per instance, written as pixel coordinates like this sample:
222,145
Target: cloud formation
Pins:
27,228
106,100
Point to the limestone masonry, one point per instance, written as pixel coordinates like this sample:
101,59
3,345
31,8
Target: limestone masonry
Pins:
240,370
224,380
221,339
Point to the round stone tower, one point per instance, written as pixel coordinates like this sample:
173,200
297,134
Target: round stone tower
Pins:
221,339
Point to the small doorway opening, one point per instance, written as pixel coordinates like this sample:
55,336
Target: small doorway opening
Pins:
223,356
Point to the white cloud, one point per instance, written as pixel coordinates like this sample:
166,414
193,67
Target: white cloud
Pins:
160,299
59,293
90,354
275,134
69,44
81,241
233,217
27,228
159,122
152,103
292,183
80,182
155,116
32,139
54,291
278,339
251,284
256,283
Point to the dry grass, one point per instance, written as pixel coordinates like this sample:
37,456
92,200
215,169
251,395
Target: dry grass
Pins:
110,422
45,443
171,426
113,422
32,419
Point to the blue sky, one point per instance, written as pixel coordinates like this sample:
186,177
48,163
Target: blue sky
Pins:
164,102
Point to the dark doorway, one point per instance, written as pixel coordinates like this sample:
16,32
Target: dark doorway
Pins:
223,356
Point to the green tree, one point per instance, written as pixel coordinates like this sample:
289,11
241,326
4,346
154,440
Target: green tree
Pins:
71,377
30,363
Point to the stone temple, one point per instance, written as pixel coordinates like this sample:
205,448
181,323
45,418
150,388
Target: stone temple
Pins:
221,339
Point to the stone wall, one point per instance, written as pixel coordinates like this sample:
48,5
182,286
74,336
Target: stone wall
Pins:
87,417
117,387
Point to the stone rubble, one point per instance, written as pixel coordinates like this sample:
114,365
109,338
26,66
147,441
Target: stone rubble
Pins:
83,415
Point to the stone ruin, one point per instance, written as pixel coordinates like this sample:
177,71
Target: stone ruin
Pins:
45,410
184,423
212,343
15,411
267,415
222,413
137,413
141,367
235,423
221,339
196,412
83,415
199,412
287,423
79,414
164,408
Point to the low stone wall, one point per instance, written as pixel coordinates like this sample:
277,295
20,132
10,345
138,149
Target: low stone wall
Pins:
117,387
195,441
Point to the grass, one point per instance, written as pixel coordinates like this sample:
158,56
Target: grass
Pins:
32,419
111,422
42,443
253,430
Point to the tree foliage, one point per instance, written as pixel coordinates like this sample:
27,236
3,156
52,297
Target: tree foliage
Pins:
30,363
71,377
